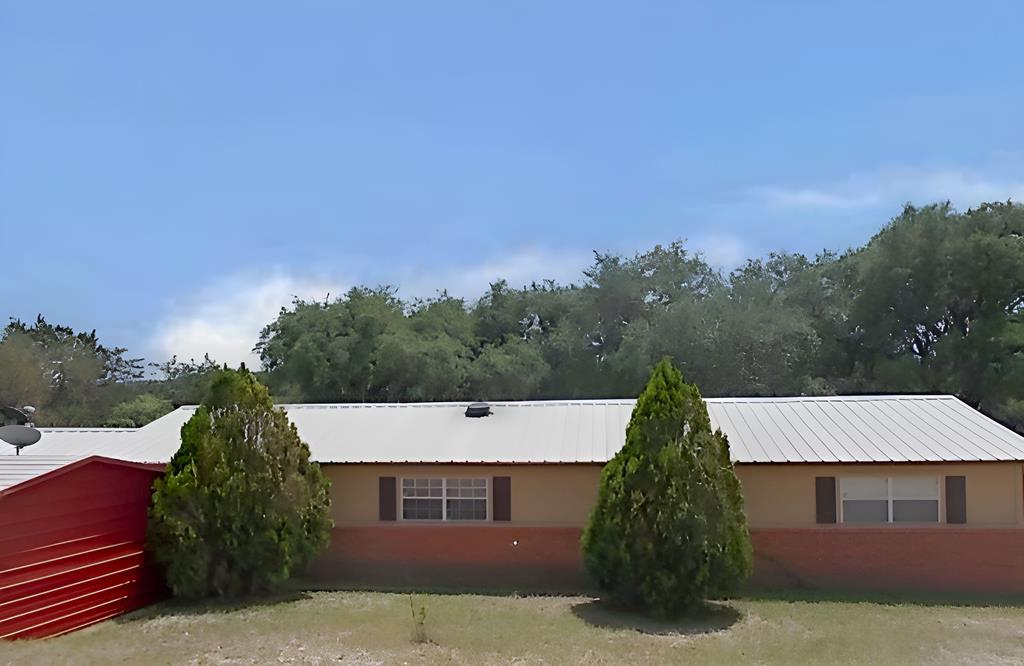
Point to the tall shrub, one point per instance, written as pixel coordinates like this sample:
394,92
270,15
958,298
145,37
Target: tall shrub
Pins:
241,507
668,529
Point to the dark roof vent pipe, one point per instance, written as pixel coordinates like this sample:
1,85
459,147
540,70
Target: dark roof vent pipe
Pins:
478,409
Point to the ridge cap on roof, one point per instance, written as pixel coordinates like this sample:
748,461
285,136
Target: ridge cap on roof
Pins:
835,398
459,404
85,429
590,401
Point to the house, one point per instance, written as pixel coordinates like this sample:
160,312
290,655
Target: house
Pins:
891,492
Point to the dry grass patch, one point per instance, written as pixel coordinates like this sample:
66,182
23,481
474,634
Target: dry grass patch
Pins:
377,628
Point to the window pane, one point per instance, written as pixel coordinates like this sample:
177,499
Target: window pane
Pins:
466,487
917,487
421,509
421,488
467,509
864,487
865,511
915,511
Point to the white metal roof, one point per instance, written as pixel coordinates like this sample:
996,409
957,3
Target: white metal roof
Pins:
75,442
760,430
21,468
842,429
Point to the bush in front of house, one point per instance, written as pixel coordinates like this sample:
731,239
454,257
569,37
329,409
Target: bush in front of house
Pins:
668,530
241,507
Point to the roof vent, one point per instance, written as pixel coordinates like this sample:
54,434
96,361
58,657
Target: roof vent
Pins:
478,409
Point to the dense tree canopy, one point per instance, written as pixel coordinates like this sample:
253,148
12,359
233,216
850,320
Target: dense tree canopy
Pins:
74,380
69,377
934,302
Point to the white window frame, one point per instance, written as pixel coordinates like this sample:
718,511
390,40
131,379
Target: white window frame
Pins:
889,500
444,499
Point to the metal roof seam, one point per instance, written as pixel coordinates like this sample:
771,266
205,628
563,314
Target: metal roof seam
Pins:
838,410
940,417
993,427
826,416
778,443
949,446
754,440
879,414
801,454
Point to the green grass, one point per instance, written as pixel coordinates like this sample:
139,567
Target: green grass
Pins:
378,628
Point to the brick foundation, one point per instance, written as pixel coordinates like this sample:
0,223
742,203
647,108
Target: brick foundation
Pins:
491,556
941,559
921,559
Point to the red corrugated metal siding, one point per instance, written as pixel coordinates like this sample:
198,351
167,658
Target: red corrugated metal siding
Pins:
72,548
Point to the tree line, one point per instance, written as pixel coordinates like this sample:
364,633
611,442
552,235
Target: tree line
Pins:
934,302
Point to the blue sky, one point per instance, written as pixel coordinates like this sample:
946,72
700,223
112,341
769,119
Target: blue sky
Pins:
171,175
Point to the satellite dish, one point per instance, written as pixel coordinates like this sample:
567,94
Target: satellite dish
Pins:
19,436
16,415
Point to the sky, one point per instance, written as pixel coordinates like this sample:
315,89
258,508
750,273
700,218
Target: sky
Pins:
171,174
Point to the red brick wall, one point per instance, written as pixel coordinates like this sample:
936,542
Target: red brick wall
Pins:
485,556
930,559
942,559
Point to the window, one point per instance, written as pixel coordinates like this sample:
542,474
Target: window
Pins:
900,499
444,499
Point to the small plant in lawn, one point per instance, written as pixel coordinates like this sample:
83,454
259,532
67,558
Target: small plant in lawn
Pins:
419,622
241,507
668,530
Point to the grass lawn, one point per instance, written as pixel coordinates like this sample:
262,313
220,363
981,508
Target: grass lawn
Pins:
377,628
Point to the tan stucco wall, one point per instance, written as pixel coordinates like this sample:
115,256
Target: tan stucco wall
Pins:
776,495
783,495
555,495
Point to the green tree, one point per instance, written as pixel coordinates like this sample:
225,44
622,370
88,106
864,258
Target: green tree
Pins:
138,411
241,507
183,382
70,377
325,352
937,304
668,528
514,370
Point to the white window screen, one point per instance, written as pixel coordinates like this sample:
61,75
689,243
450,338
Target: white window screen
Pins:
900,499
915,499
865,500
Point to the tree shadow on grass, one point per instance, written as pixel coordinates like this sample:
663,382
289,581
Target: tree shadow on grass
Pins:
881,597
184,608
710,618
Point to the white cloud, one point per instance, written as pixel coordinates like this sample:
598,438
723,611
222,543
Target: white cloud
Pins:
519,268
225,319
723,251
892,187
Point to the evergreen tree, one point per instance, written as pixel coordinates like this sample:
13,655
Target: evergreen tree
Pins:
241,507
668,529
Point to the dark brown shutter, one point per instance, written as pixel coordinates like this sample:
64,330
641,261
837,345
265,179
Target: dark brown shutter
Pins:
956,499
825,498
388,493
502,509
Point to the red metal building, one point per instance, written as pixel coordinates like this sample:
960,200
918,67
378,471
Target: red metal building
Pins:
72,547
